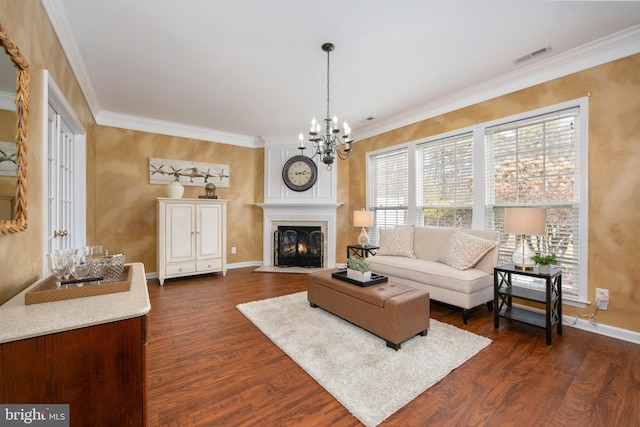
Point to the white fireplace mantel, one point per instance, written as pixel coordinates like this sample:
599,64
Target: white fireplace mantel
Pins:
323,214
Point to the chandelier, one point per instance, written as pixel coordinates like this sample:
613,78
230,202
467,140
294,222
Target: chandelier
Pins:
328,145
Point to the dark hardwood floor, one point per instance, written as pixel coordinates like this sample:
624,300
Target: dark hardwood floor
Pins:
209,366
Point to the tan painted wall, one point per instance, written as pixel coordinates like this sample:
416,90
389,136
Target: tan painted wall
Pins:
126,201
614,171
28,25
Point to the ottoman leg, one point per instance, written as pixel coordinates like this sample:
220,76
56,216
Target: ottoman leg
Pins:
312,305
396,347
424,333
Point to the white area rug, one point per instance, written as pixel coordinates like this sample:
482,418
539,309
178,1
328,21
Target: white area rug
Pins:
369,379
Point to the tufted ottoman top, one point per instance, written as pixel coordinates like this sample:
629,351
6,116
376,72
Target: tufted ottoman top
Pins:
375,294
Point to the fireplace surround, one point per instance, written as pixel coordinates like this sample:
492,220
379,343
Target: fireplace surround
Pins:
322,215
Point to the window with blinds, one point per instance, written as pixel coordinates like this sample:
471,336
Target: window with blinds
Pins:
468,177
388,189
444,175
535,162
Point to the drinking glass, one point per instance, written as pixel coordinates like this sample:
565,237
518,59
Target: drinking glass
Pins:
80,266
59,265
66,258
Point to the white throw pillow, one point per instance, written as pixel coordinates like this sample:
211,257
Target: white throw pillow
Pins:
464,251
397,241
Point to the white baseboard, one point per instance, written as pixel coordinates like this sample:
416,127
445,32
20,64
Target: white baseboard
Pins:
154,274
602,329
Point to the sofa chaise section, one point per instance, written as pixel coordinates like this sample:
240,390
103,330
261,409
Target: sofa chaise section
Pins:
422,266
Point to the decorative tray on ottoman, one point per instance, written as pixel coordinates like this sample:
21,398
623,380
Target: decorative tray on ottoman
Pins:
375,278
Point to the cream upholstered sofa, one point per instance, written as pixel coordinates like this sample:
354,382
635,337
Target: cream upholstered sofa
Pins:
454,265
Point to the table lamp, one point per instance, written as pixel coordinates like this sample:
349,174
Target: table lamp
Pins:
524,221
363,219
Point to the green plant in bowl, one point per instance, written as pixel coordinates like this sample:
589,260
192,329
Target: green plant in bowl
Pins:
358,264
544,259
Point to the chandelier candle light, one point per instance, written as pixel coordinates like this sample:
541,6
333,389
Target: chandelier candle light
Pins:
363,219
524,221
327,145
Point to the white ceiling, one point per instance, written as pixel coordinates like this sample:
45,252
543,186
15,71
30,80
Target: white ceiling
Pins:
242,71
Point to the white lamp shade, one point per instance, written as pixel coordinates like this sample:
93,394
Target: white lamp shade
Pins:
529,221
362,218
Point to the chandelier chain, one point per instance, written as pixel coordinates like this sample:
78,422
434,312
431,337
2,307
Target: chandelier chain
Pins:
328,77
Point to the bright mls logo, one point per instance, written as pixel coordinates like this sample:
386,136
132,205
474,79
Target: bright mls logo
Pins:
36,415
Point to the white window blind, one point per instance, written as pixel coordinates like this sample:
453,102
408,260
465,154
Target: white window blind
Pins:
535,162
444,174
388,189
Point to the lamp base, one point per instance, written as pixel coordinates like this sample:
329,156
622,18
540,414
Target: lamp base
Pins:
363,238
522,256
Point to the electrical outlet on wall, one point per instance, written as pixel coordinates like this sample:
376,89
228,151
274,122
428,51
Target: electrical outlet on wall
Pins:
233,249
602,298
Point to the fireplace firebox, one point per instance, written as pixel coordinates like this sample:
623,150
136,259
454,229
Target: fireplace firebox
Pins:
298,246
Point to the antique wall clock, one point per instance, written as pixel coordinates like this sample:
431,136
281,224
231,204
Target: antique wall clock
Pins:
300,173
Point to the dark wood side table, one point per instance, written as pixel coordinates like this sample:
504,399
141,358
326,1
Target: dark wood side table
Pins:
361,251
504,291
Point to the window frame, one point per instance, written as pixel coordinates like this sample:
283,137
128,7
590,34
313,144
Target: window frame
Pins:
374,235
440,143
479,177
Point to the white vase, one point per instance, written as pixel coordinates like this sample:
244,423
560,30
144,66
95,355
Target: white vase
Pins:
356,275
175,190
544,269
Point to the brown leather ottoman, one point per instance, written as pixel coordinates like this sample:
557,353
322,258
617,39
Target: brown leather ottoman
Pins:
392,311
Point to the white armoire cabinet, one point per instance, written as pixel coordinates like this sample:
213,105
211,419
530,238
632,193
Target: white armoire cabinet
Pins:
192,237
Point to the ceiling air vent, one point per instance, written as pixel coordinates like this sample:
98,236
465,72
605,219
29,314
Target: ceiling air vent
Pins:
532,55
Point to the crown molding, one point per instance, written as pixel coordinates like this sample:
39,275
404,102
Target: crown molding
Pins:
59,17
107,118
57,12
610,48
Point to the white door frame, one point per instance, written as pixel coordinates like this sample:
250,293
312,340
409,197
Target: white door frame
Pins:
53,96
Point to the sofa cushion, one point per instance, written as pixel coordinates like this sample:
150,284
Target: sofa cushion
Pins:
428,241
397,241
464,251
431,273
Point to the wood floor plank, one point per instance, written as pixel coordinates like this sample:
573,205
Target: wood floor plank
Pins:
208,365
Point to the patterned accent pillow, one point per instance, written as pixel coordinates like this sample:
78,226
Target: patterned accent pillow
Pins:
464,251
396,241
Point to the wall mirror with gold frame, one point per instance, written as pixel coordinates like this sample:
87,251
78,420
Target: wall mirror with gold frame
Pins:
13,159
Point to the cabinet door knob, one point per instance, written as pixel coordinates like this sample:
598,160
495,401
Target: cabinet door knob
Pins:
180,269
